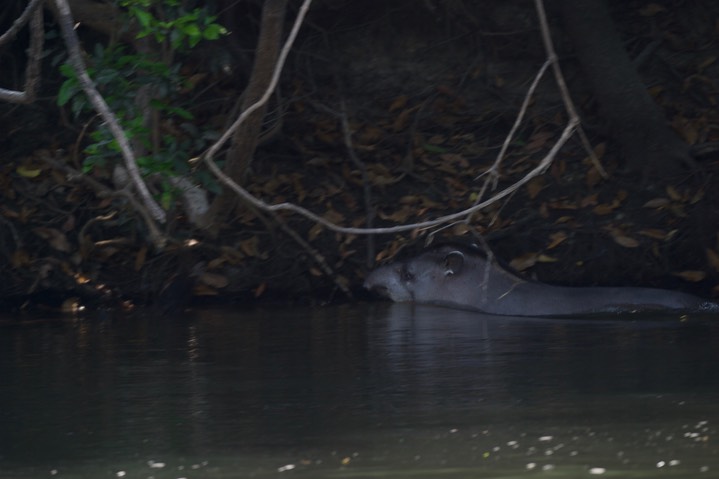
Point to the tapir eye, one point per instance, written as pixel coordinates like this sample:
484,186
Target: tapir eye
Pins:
406,274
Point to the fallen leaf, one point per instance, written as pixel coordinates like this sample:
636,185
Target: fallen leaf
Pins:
534,186
563,205
698,196
543,258
625,241
673,193
200,289
455,159
604,209
520,263
402,120
557,170
651,9
656,203
691,275
69,224
538,140
398,103
620,238
677,210
543,210
260,289
140,258
250,246
299,188
19,258
708,61
106,252
593,177
315,231
399,216
460,229
342,280
655,90
231,255
28,172
334,216
590,200
556,239
654,233
214,280
713,258
55,238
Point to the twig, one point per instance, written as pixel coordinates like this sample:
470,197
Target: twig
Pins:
73,46
366,186
13,232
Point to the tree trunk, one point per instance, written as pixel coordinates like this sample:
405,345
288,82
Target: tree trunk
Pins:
650,147
245,139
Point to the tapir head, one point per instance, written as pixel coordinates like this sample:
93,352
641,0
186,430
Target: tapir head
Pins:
435,276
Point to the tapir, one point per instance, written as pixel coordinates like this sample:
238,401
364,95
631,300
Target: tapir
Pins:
459,277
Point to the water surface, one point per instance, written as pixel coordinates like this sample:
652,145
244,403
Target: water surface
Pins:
380,390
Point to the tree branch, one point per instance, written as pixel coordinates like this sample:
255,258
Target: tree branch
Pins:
73,46
32,70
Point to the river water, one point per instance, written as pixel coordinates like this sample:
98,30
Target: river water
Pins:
359,391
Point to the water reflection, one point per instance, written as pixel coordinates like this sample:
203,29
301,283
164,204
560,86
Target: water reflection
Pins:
356,391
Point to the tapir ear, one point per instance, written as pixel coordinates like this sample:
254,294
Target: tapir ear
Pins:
453,263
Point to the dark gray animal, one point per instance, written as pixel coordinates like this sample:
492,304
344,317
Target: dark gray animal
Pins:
458,277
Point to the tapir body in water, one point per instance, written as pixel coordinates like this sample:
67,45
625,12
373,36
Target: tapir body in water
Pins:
459,277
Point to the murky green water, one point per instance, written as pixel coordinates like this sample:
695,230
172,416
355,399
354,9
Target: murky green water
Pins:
361,391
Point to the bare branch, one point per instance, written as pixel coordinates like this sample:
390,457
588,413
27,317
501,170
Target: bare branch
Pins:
493,170
270,88
20,22
73,46
559,78
32,70
537,170
569,130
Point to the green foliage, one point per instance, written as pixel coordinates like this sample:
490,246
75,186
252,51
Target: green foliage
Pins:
122,76
182,28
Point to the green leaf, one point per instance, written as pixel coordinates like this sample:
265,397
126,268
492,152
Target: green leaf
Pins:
67,91
191,30
213,32
67,70
143,16
166,200
434,148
